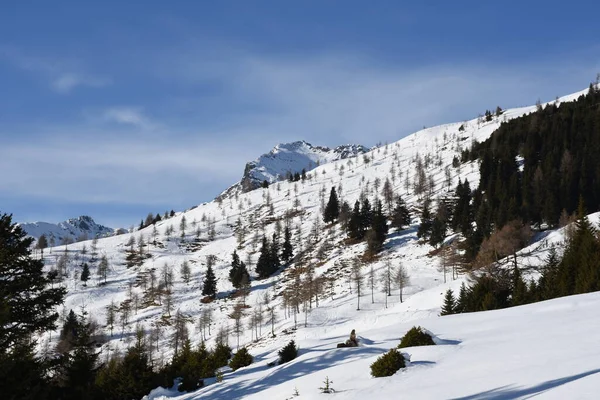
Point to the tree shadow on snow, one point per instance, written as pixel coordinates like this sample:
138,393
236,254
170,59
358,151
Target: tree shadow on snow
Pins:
286,372
510,392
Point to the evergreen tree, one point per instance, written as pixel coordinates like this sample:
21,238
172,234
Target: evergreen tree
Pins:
209,287
449,306
424,231
238,274
274,260
332,209
265,265
519,294
461,302
378,232
85,273
27,306
400,215
438,232
78,366
354,223
234,271
287,251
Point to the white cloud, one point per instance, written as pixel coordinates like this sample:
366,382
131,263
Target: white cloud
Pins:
63,75
65,82
347,98
128,116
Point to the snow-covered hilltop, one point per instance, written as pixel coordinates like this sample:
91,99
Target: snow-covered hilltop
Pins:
291,158
73,229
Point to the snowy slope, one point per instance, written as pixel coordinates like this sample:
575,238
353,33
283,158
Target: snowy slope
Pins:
290,158
325,249
73,228
546,350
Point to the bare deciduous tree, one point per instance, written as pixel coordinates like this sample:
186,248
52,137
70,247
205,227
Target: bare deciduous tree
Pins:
401,279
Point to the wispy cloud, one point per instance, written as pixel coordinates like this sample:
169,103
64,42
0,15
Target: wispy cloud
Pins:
66,82
341,97
133,116
62,76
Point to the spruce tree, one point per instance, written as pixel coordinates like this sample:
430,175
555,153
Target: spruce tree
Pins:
234,271
519,289
449,306
287,251
85,273
424,231
332,209
461,302
400,215
264,267
274,261
378,232
209,287
27,304
438,232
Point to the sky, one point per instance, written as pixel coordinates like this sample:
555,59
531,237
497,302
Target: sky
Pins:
116,109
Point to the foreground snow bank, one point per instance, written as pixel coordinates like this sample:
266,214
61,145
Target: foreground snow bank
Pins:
548,350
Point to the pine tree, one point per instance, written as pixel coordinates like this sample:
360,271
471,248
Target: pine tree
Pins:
332,210
424,231
209,287
234,271
78,367
354,224
461,302
438,232
263,264
519,289
274,260
449,306
400,215
85,273
287,251
27,304
378,232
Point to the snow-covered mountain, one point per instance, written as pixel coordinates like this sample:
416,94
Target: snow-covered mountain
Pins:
291,158
477,359
83,227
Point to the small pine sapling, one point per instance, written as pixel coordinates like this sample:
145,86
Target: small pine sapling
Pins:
327,388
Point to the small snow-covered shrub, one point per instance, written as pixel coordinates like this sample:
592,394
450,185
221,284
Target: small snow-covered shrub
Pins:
241,359
416,336
388,364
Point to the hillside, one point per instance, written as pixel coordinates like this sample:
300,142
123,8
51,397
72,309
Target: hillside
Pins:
517,353
239,222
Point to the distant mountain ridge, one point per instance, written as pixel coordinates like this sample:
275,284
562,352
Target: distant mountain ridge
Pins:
83,227
291,158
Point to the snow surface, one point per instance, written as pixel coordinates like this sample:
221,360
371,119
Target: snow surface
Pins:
507,351
547,350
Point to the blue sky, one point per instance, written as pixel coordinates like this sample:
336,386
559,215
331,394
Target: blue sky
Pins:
121,108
